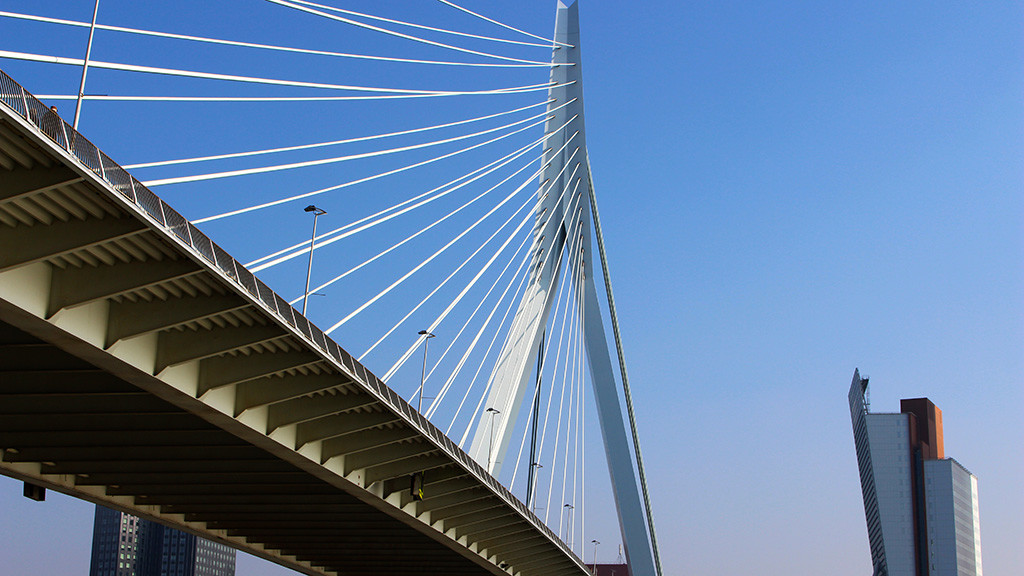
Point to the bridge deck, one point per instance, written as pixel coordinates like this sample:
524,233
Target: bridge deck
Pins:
143,368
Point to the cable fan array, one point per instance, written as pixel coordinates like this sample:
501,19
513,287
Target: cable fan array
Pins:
422,146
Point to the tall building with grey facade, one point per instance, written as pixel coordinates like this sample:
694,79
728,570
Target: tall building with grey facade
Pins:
124,545
921,507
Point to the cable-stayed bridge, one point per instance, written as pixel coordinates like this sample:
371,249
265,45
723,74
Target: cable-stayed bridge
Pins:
146,369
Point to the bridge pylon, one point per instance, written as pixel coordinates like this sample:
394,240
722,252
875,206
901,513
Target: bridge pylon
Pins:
564,222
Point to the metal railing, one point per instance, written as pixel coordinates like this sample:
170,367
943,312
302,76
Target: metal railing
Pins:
127,186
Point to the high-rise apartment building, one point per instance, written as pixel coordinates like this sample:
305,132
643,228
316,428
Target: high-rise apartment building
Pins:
921,507
124,545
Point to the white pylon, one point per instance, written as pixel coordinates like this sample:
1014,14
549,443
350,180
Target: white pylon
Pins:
552,233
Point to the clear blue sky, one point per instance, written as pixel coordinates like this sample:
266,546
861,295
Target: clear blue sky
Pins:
789,190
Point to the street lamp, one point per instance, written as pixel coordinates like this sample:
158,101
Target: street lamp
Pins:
317,212
423,374
595,543
531,500
490,445
568,518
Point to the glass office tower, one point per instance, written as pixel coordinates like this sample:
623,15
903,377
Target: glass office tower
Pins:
921,507
124,545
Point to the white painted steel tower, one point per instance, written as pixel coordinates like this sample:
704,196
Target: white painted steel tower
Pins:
564,223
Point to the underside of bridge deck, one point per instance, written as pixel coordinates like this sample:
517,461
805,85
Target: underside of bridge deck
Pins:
143,368
65,418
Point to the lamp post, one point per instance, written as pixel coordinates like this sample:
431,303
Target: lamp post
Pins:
317,212
423,374
490,445
85,65
595,543
531,500
568,519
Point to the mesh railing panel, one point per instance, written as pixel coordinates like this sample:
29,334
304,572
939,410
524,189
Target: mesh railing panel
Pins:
302,324
285,310
201,243
318,337
12,94
118,178
177,224
46,120
150,203
348,360
87,153
247,279
266,295
333,349
225,262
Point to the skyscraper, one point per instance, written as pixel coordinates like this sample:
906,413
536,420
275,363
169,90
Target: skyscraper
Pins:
921,507
124,545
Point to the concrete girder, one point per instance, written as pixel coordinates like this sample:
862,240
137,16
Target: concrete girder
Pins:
298,410
386,455
157,490
326,540
128,319
310,506
403,468
299,531
389,566
437,478
446,474
111,475
272,390
40,403
221,519
241,510
74,424
544,570
453,517
67,381
136,470
542,560
451,486
552,567
303,521
180,346
24,182
487,523
438,504
77,286
511,534
339,425
24,357
41,242
481,539
224,370
509,549
357,442
198,439
319,551
133,453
